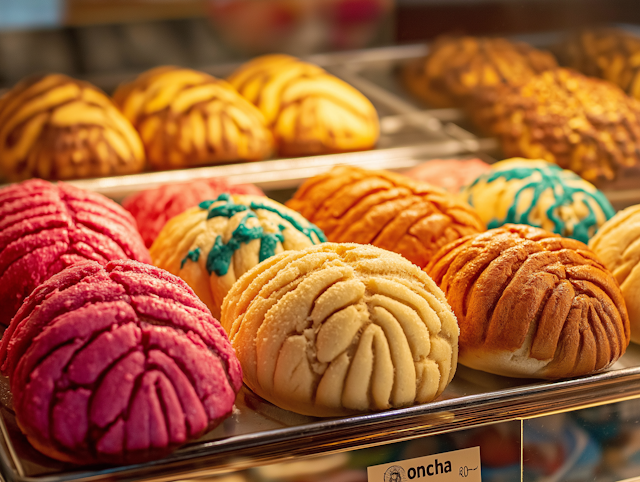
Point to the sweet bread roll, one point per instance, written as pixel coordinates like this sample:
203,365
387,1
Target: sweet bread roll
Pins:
617,245
55,127
540,194
456,68
337,329
587,125
117,364
532,304
353,205
449,174
189,118
210,246
308,110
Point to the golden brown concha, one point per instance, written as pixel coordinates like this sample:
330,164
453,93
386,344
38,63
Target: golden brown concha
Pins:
414,219
617,244
308,110
336,329
532,304
457,67
55,127
587,125
189,118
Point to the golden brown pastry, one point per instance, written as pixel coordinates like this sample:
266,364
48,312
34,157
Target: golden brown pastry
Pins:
457,67
341,328
308,110
55,127
353,205
617,244
587,125
532,304
189,118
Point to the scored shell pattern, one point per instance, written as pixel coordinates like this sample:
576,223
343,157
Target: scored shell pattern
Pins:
341,328
45,228
308,110
187,118
55,127
118,364
532,295
353,205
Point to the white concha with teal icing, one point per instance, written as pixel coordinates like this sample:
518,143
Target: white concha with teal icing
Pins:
211,245
540,194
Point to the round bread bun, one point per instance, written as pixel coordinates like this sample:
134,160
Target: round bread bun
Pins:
580,123
211,245
55,127
532,304
540,194
449,174
414,219
117,364
617,245
189,118
338,329
309,111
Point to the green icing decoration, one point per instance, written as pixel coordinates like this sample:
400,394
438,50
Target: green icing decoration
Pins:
219,257
193,255
307,231
552,177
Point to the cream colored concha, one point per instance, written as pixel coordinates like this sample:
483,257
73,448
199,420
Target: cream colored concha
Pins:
308,110
189,118
337,329
56,127
211,245
617,244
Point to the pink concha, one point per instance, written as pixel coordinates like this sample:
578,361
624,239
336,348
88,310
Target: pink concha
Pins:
117,364
46,227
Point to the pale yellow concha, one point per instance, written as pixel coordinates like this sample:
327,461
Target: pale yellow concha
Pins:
308,110
189,118
211,245
617,244
337,329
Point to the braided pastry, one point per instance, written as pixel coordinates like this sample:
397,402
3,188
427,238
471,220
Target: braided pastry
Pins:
117,364
532,304
189,118
336,329
353,205
308,110
55,127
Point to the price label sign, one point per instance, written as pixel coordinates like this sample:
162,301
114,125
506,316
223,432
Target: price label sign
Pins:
459,465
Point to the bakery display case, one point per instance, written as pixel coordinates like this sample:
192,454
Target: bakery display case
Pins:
482,427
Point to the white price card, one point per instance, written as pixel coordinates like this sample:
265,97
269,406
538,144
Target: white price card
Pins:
459,465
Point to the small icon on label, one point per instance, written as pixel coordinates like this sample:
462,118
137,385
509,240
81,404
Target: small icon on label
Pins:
464,470
395,473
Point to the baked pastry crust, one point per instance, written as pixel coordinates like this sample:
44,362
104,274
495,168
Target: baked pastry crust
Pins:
532,304
189,118
210,246
414,219
337,329
540,194
55,127
308,110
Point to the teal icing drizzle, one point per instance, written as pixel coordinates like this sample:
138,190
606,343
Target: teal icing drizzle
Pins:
552,177
193,255
221,254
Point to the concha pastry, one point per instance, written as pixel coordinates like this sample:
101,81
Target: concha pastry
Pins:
532,304
449,174
353,205
308,110
580,123
456,68
210,246
617,245
189,118
539,194
117,364
55,127
337,329
46,227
